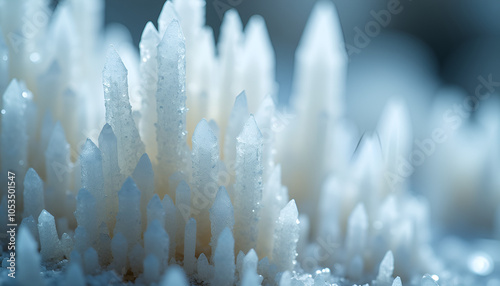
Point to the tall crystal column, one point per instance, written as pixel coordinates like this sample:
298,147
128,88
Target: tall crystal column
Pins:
258,63
128,220
286,236
92,176
149,78
224,259
205,172
229,47
13,139
248,186
318,102
119,112
171,102
58,167
113,179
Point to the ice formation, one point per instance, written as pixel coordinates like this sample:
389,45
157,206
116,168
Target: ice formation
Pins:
178,168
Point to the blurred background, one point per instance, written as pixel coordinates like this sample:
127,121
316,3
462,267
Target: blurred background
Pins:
458,38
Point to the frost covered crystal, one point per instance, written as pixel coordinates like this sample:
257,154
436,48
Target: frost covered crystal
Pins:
171,101
248,186
119,112
177,165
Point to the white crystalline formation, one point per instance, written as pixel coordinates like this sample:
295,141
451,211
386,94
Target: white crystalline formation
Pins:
181,177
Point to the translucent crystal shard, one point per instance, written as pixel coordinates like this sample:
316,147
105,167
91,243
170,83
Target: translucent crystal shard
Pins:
58,167
119,245
86,217
170,221
357,227
92,176
167,15
143,176
190,247
318,101
205,161
229,48
321,65
33,189
151,266
224,259
155,210
136,258
286,236
74,275
386,268
30,224
128,220
90,261
248,186
221,216
267,121
49,240
28,259
395,134
397,282
174,276
111,171
13,138
183,205
149,78
249,268
156,242
119,112
239,115
192,17
258,63
171,101
274,198
204,269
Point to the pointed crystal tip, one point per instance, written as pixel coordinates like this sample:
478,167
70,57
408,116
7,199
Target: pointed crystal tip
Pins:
250,133
114,64
204,135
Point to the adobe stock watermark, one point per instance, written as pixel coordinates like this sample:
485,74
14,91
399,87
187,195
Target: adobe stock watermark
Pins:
381,19
30,28
453,119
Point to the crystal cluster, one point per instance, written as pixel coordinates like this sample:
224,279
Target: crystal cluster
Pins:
174,166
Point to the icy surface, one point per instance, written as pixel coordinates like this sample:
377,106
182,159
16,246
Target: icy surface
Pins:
221,216
33,189
224,259
149,78
239,115
286,236
248,186
111,171
190,246
49,241
128,220
171,100
28,259
156,243
119,112
92,176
